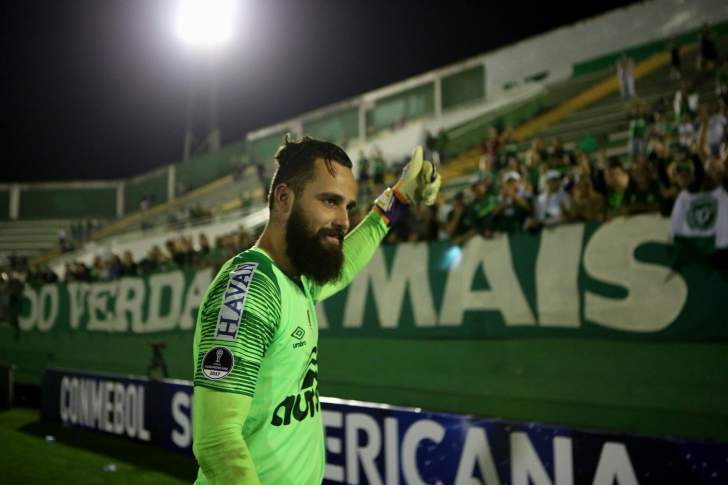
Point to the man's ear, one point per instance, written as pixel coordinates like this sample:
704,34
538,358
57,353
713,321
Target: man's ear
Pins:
283,198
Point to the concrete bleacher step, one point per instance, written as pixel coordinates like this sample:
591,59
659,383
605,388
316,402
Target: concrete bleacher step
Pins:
19,238
31,237
26,245
592,129
586,123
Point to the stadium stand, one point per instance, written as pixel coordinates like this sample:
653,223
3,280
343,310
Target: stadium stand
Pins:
31,238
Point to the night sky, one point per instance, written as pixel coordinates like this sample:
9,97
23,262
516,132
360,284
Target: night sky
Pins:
98,89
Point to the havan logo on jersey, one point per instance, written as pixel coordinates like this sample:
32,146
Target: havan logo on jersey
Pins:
306,403
233,302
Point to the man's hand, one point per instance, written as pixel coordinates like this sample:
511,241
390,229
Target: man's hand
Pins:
419,182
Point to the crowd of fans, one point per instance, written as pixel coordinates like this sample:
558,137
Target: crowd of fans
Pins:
674,146
178,252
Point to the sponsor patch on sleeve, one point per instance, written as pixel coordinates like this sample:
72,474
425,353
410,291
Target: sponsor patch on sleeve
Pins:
217,363
233,301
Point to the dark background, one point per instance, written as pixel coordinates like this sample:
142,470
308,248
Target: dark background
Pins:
99,89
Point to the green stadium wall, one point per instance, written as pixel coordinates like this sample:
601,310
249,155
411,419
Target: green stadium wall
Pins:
338,127
463,87
403,106
202,169
643,51
584,325
262,150
153,185
67,203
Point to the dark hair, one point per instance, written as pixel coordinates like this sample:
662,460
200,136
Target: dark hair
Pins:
296,162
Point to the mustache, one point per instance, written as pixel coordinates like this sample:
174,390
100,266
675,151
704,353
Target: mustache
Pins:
337,233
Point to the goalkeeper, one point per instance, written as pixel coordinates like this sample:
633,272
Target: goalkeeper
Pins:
256,410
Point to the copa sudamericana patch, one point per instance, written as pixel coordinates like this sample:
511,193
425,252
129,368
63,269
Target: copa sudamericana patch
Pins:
217,363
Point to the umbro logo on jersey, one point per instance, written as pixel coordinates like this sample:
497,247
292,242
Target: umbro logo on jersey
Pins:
298,334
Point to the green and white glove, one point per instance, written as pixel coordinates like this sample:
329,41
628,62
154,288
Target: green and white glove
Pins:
419,182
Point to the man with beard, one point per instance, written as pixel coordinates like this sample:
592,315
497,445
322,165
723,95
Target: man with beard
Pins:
256,411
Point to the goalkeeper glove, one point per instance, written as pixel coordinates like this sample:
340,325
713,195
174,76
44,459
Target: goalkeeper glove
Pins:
419,182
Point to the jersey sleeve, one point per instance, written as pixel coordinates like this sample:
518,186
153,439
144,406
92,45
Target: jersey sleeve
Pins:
238,320
359,247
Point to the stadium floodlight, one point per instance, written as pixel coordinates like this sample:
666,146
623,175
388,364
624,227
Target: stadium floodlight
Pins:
205,23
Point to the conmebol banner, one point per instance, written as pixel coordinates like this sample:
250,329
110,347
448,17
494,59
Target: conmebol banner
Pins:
379,444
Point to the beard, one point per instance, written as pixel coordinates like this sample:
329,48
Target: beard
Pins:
308,252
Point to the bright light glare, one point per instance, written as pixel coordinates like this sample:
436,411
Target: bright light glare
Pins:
451,258
206,22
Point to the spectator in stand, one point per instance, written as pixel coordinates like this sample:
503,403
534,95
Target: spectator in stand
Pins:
171,248
440,211
185,250
675,64
514,205
455,222
643,193
716,129
485,166
41,274
638,130
154,261
625,76
79,272
686,100
116,267
479,217
551,205
536,163
659,125
557,149
686,131
613,183
101,268
490,147
128,266
420,223
537,153
439,154
364,168
715,173
661,161
694,213
689,173
721,81
380,170
431,147
587,205
204,244
708,58
64,243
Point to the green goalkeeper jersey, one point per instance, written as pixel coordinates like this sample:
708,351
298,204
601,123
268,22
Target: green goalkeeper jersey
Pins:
257,335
